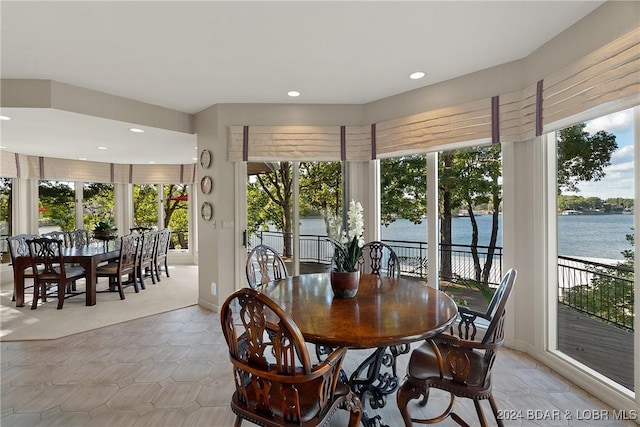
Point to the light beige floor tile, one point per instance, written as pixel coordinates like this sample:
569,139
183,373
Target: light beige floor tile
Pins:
172,369
177,395
134,395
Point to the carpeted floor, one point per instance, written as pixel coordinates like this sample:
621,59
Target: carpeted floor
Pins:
46,322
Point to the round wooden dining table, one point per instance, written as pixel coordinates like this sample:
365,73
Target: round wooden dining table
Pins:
384,312
386,315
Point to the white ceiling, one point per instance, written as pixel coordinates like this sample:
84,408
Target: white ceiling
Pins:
188,56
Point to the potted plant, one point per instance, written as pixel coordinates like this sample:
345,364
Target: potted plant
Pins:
105,230
345,275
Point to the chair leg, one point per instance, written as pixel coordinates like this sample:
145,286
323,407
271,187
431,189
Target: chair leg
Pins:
155,270
152,274
238,421
61,291
36,296
141,277
481,417
494,409
407,392
134,278
166,267
353,404
120,288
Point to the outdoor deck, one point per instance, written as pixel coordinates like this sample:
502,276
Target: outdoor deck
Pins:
605,348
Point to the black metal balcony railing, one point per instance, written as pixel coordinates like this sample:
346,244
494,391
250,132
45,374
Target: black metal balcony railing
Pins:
413,255
598,290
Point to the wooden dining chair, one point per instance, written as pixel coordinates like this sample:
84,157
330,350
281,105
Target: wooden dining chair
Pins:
276,383
125,265
49,268
18,247
146,256
58,235
459,362
160,256
264,265
79,238
380,259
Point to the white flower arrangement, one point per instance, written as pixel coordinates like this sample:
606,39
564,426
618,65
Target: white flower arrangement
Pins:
348,243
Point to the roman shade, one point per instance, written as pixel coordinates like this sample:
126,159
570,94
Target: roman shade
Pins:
13,165
602,82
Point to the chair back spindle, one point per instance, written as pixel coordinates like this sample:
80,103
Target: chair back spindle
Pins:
264,265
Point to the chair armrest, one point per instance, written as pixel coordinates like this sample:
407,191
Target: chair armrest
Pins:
467,312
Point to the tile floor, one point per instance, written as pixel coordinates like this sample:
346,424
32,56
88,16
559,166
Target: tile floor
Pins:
172,369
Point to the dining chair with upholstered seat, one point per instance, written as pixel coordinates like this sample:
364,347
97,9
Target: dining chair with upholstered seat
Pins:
160,257
380,259
276,382
58,235
125,265
79,238
18,247
264,265
459,362
146,256
49,269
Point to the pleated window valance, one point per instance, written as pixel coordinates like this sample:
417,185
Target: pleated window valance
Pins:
602,82
605,81
13,165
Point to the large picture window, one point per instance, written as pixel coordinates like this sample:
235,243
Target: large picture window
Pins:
595,234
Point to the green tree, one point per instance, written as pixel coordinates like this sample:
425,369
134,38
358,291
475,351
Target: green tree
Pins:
145,205
582,156
610,294
99,204
57,203
469,177
404,184
321,190
176,207
277,186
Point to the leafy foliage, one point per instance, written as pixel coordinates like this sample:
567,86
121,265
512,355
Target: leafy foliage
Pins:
582,156
57,204
404,180
99,204
580,203
610,295
145,205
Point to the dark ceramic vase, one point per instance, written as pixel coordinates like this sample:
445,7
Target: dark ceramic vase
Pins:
345,284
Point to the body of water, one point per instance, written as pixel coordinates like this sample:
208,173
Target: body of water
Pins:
592,236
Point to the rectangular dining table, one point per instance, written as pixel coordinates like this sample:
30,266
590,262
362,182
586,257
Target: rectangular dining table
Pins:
386,315
88,257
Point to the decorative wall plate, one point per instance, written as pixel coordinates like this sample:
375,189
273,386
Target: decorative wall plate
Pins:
206,184
206,211
205,158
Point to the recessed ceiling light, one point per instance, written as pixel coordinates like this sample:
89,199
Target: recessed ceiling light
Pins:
194,158
136,130
5,118
152,163
417,75
82,158
2,147
102,148
293,93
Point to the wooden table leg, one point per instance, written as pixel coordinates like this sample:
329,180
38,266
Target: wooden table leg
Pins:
90,268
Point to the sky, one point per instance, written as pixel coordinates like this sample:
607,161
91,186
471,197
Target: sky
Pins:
618,181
